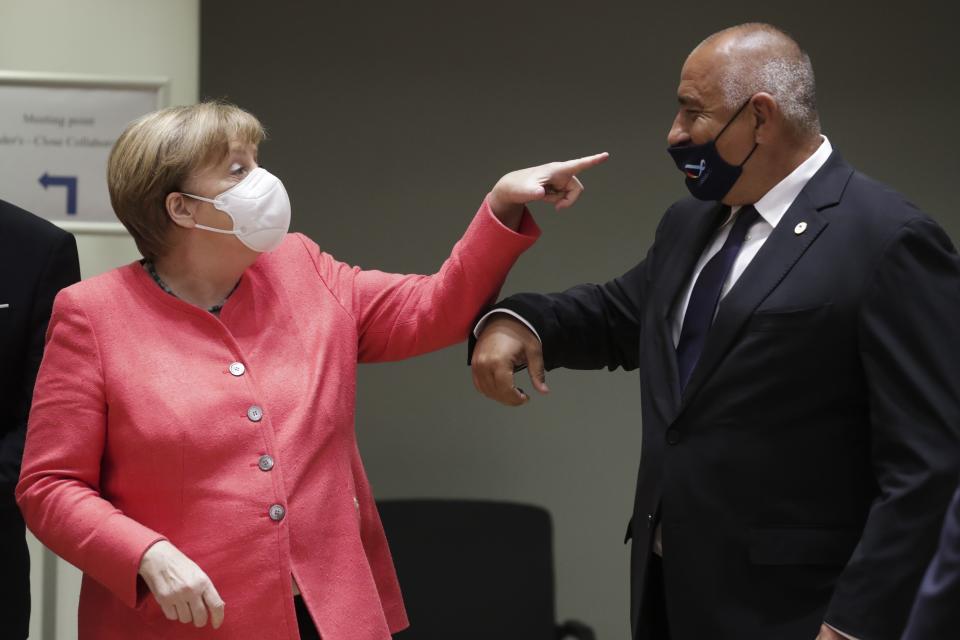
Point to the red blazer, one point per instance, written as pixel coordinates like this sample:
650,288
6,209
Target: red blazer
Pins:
152,418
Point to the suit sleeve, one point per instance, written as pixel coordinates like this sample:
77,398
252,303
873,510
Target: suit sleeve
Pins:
909,347
401,316
59,489
62,268
590,326
936,613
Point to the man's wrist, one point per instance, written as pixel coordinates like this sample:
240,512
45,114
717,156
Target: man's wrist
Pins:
482,323
837,631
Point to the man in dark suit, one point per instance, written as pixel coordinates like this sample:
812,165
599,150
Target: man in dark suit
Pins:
37,259
794,327
936,613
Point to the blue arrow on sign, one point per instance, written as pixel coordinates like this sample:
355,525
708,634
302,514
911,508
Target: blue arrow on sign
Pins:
70,182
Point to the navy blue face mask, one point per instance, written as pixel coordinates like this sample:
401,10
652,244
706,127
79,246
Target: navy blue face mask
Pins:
709,177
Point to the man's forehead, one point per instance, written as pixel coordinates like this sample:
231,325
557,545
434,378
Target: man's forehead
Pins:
697,92
698,81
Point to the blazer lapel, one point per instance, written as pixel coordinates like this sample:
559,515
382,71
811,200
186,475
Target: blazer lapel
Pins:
772,263
677,271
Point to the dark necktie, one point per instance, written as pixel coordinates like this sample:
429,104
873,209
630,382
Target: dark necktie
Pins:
706,295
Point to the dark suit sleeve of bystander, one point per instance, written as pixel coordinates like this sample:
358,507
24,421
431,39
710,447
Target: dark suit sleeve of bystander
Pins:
936,613
61,269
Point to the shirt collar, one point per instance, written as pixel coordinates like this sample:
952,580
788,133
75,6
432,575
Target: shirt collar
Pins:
774,203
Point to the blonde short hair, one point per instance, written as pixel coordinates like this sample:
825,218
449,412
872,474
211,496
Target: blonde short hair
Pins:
155,155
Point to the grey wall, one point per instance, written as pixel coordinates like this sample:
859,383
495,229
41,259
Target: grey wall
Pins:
389,122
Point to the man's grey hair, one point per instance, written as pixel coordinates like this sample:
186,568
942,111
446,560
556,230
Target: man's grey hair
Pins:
769,60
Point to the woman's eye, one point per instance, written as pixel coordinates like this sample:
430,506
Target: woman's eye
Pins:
237,169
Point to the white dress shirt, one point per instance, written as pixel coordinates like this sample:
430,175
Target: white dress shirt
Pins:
771,207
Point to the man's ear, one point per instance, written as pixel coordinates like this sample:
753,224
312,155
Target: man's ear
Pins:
766,114
179,211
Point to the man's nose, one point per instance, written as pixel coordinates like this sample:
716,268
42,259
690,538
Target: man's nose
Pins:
677,134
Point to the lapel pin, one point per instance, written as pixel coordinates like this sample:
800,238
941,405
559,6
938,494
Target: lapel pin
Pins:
800,228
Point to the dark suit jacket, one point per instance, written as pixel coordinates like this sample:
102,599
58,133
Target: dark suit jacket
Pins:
37,259
803,474
936,613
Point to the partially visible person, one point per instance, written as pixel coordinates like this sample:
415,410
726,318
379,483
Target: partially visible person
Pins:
37,259
936,612
192,447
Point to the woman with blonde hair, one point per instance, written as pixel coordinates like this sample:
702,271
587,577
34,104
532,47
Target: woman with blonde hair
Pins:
191,445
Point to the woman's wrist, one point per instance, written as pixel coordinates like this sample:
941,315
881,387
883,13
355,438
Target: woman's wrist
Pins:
508,213
151,555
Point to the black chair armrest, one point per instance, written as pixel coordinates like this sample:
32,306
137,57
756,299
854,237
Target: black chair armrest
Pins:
576,630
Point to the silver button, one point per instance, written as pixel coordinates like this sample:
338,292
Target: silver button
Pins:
800,228
265,463
255,413
237,368
277,512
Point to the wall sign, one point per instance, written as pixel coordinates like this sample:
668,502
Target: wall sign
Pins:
56,132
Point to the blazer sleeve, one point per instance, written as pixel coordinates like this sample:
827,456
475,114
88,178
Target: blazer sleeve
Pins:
401,316
909,347
59,489
61,269
936,612
589,326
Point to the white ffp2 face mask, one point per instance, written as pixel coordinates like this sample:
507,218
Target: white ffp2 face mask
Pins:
259,207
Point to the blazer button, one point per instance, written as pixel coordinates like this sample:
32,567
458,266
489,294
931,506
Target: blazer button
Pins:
265,463
277,512
255,413
237,368
649,520
673,436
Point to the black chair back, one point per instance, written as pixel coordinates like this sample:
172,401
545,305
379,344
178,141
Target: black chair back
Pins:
473,569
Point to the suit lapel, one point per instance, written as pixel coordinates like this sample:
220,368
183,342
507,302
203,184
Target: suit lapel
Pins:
677,271
786,244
